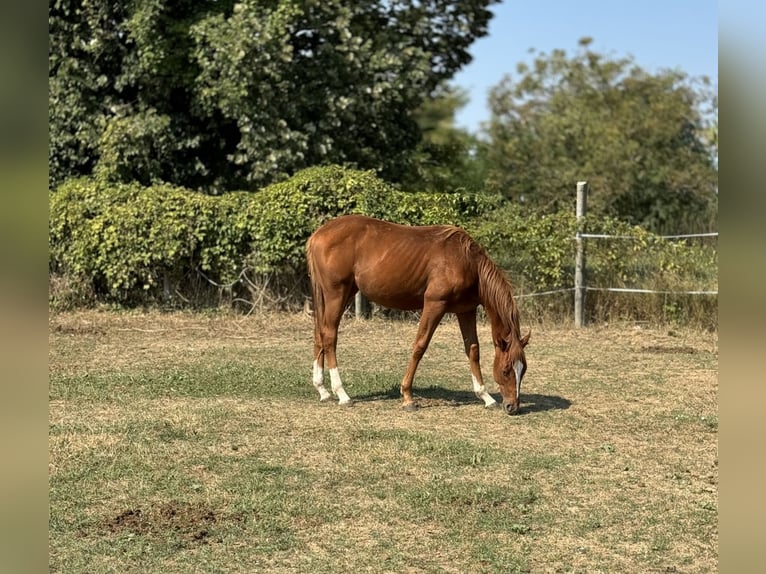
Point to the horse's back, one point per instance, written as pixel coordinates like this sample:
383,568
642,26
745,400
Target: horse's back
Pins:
353,225
373,240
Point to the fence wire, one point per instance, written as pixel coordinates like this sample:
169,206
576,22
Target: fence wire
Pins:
626,289
606,236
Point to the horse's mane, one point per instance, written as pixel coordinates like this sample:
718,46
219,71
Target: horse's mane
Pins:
495,289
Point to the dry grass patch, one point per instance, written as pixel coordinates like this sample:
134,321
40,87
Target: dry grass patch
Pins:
183,443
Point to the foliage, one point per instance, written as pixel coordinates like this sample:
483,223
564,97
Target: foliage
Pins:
134,243
538,252
220,95
642,140
448,158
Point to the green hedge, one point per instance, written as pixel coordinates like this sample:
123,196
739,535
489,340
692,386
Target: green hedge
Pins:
138,245
126,243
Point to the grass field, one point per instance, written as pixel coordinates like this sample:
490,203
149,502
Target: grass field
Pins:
196,443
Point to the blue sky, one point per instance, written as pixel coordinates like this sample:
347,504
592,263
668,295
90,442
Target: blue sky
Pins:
659,34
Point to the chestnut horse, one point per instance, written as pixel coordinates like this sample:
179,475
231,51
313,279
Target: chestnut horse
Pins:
439,269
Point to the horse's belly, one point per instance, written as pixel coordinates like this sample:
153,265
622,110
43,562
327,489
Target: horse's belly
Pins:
392,297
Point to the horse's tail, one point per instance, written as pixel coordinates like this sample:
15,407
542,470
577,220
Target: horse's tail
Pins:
317,295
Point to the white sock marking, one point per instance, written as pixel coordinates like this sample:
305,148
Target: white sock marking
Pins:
318,380
337,387
481,392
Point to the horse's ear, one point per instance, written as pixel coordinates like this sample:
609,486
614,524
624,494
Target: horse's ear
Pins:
525,339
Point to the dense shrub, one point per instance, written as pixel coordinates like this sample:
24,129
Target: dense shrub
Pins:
127,239
134,244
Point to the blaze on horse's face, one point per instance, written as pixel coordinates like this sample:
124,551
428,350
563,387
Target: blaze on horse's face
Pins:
509,368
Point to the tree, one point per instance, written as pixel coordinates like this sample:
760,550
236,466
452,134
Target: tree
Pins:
640,139
447,158
217,94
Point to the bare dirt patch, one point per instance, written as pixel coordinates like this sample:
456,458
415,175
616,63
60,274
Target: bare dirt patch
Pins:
193,523
670,349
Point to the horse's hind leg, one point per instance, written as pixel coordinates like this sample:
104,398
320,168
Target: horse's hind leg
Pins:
318,376
328,334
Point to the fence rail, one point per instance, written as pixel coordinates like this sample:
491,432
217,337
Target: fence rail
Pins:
614,290
540,293
630,290
606,236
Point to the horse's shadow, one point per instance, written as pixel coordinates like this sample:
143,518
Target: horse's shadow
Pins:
438,396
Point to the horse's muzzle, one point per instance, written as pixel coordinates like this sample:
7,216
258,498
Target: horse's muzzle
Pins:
511,409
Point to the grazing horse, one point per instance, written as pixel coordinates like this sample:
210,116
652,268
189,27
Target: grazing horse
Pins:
439,269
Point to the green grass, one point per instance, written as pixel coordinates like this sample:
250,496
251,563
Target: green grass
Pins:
190,443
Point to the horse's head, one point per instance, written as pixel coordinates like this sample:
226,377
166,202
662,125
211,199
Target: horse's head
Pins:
509,368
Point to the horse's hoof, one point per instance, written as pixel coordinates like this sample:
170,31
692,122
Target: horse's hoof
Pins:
326,400
492,406
347,404
410,407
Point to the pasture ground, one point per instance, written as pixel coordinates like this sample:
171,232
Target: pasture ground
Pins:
196,443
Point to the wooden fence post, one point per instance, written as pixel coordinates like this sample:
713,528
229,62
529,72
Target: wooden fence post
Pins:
579,293
361,306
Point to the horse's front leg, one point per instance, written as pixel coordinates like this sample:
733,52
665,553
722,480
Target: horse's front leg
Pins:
429,320
467,322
